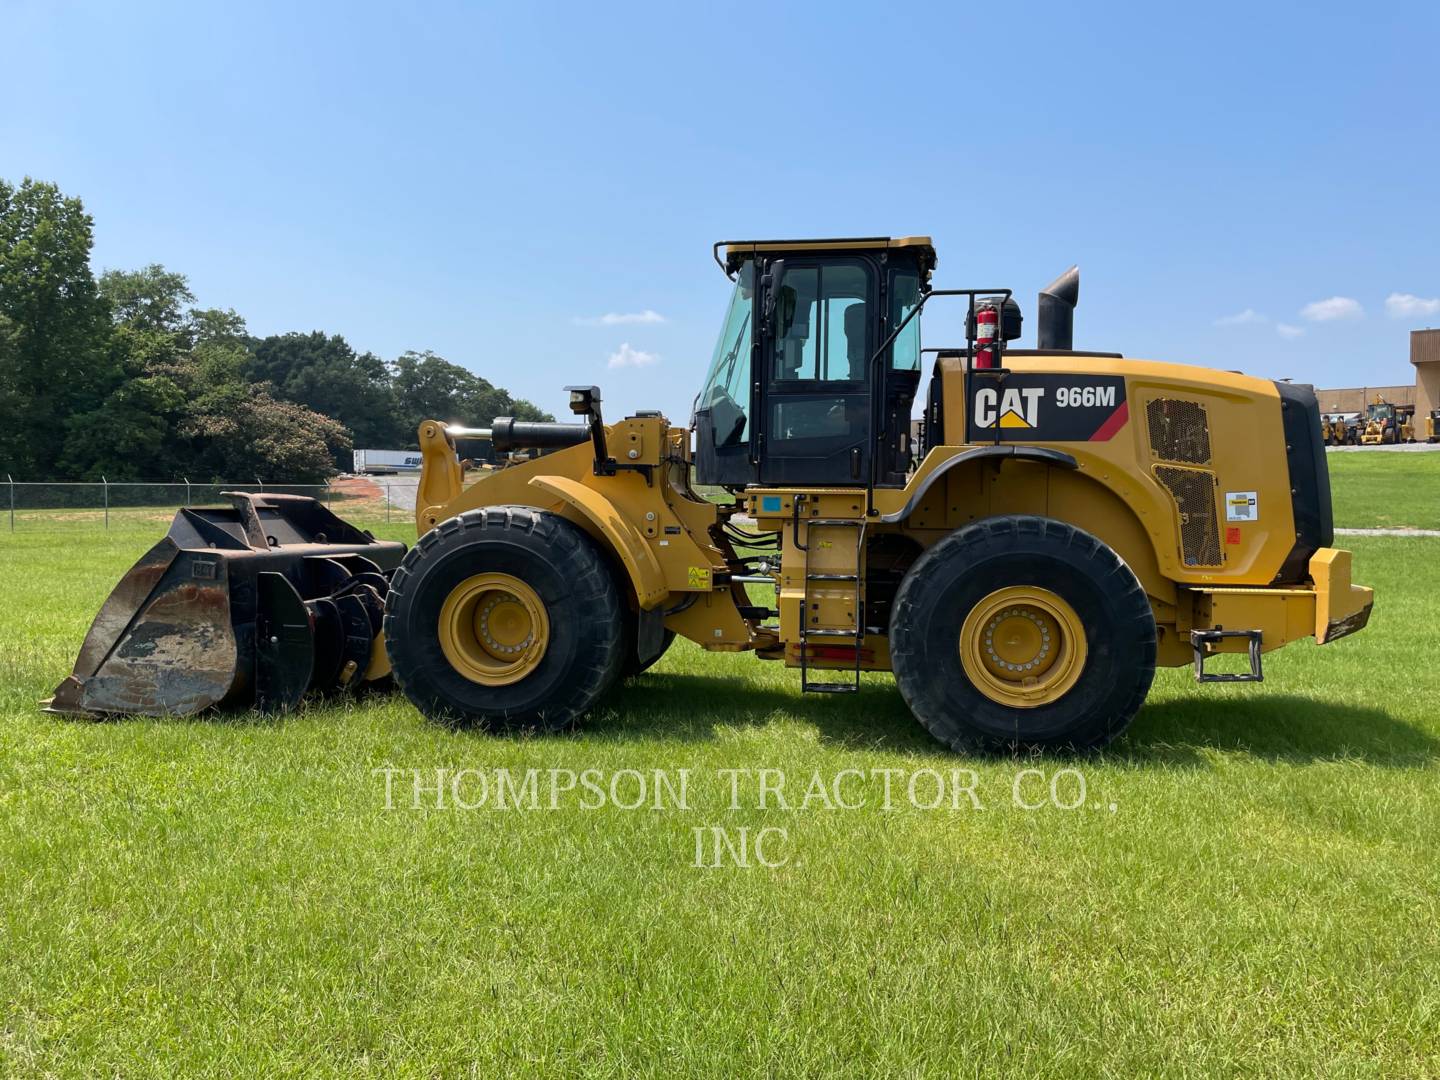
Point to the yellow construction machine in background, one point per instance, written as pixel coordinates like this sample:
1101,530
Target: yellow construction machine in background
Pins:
1387,424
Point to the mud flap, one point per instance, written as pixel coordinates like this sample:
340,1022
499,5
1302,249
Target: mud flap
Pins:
650,635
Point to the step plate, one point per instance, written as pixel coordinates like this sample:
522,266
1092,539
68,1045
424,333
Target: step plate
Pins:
1199,639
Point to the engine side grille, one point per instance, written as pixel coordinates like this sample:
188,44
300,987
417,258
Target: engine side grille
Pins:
1179,430
1194,493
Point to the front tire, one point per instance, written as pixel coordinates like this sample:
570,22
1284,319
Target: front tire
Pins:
505,617
1022,633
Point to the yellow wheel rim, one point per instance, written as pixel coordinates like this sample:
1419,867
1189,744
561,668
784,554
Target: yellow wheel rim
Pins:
493,629
1023,646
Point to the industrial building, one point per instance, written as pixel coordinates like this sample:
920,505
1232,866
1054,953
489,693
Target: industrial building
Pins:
1424,394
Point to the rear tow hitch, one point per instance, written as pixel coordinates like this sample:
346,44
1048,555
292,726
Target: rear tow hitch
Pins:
1202,640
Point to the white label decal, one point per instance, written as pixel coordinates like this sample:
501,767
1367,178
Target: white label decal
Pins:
1085,397
1241,506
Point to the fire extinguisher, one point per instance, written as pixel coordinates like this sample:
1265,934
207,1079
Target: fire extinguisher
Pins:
987,333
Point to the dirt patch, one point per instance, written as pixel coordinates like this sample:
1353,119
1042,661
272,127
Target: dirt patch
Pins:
356,487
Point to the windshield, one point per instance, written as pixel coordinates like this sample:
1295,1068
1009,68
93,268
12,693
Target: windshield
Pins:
726,396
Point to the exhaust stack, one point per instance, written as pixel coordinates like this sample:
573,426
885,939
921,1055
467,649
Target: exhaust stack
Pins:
1055,314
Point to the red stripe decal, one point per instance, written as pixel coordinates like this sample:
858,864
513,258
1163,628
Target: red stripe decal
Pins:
1117,420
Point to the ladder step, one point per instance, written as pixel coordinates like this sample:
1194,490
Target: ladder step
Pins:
1202,640
854,584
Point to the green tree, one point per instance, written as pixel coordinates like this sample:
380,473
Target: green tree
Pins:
54,356
150,300
12,396
129,436
125,377
133,432
212,325
246,432
219,352
240,429
328,376
429,387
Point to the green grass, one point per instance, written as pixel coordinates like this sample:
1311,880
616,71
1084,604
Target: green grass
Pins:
1387,489
229,896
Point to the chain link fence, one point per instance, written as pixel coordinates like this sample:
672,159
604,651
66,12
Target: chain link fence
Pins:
105,506
101,506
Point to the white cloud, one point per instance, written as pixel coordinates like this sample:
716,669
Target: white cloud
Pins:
1285,330
628,318
1243,318
1402,305
625,356
1336,307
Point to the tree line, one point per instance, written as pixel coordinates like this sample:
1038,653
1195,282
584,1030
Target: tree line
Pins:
123,376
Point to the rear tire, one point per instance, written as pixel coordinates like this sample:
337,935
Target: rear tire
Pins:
1073,611
543,582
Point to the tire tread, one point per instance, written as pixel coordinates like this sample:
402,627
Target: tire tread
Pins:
593,605
1136,627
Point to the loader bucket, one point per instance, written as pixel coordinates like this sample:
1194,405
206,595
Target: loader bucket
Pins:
252,605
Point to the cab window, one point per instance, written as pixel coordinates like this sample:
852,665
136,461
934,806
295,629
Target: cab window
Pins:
725,399
821,325
904,296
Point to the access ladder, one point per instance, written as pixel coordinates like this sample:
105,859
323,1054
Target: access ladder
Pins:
832,580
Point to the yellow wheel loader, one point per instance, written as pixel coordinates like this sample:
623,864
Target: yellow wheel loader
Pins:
1388,424
1059,522
1341,430
1432,426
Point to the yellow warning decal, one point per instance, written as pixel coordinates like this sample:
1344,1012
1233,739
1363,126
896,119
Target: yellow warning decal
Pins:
698,577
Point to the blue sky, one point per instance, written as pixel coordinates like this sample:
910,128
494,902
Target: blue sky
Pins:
492,181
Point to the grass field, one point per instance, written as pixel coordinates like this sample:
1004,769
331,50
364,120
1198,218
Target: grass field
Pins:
1252,884
1385,489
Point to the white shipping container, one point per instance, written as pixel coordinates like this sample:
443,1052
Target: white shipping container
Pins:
387,461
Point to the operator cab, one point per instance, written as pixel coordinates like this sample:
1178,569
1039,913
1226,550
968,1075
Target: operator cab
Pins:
792,396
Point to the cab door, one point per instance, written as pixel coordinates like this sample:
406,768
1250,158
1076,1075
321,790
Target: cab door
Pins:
815,395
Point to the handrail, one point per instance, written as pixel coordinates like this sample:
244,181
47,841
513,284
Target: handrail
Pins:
876,400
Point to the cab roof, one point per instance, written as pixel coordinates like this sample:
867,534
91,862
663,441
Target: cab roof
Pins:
736,251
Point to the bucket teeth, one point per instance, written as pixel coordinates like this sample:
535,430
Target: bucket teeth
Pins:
253,605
